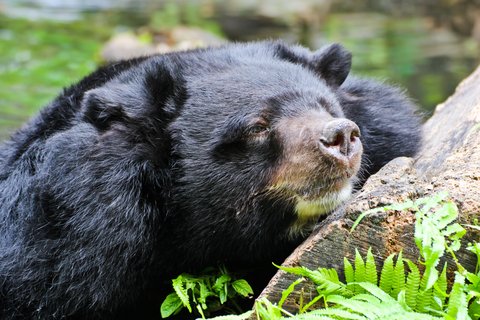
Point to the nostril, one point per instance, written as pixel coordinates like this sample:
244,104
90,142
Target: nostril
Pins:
335,140
339,136
354,134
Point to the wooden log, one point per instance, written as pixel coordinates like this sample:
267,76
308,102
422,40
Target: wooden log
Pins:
449,161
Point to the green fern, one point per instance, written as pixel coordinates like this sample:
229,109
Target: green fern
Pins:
412,285
387,274
348,271
359,271
327,280
457,304
204,293
288,291
398,276
424,300
370,268
440,290
399,292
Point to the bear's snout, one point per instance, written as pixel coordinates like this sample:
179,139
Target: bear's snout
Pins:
341,138
316,141
321,154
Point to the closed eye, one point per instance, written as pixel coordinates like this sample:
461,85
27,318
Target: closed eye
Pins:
258,129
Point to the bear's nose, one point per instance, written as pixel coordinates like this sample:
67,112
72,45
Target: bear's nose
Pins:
340,135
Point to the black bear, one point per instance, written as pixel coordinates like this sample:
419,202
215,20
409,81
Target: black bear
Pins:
159,165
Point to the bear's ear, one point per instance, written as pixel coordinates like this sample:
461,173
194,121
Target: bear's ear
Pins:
142,95
332,63
101,107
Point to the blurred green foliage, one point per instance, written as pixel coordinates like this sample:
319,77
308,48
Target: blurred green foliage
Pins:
188,14
39,58
396,50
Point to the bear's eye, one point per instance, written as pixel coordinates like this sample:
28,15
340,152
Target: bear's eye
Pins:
258,128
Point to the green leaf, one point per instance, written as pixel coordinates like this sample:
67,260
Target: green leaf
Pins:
386,276
370,268
288,291
412,285
376,291
366,309
440,289
424,300
475,248
474,309
242,287
348,271
327,280
200,310
220,282
336,313
431,276
457,304
402,300
204,294
363,215
223,295
402,206
181,291
359,269
454,231
243,316
266,310
170,305
427,203
398,276
445,215
311,303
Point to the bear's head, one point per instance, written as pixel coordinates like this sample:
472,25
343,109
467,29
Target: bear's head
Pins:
253,142
262,148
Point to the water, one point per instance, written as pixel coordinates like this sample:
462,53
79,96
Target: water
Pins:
59,41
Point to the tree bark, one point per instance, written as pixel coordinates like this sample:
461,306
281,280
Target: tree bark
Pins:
449,161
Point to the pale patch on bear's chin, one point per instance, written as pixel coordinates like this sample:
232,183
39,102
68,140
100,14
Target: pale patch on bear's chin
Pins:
308,211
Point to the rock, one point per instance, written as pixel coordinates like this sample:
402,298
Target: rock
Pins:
125,46
449,160
128,45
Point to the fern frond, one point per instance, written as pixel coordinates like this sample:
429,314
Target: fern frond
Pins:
427,203
366,297
474,309
386,276
412,285
243,316
181,291
348,271
424,300
325,313
366,309
370,268
457,304
402,301
288,291
311,303
327,280
377,292
359,270
314,275
398,276
440,289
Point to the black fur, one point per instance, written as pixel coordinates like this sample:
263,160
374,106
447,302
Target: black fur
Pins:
155,166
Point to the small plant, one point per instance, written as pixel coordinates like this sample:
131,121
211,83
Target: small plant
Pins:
205,294
401,290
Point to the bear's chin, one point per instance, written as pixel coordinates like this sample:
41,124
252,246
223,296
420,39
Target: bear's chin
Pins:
309,209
